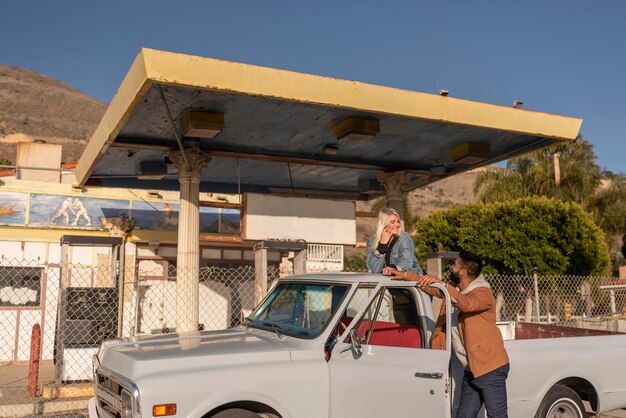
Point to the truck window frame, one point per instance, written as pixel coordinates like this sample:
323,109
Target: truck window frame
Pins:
381,295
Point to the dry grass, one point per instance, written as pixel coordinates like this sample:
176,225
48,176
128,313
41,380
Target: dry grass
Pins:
42,108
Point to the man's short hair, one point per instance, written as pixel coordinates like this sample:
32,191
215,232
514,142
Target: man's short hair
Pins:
472,263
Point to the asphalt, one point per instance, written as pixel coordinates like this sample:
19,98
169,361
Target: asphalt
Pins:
618,413
15,401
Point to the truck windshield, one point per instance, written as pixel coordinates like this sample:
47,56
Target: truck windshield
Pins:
300,310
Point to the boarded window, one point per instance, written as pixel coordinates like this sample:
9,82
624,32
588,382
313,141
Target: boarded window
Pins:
20,286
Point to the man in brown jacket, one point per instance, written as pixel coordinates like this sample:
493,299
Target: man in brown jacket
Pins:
476,340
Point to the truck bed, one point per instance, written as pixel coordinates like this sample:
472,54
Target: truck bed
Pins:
531,331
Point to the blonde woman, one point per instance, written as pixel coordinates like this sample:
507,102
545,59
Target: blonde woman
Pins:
391,248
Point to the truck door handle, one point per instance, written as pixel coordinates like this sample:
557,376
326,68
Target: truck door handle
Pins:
434,375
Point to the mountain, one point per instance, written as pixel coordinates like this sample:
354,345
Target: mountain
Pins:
36,107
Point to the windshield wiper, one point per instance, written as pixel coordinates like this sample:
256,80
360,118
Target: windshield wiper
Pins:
276,329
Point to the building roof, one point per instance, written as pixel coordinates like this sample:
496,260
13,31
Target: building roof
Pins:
280,131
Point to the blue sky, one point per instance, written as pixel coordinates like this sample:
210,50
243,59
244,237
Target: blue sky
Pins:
560,56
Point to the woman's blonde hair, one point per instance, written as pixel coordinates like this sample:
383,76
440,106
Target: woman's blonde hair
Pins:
384,216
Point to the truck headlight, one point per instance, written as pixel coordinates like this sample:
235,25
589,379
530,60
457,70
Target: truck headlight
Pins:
127,405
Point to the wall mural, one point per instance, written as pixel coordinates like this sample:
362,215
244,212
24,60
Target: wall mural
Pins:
71,211
13,208
86,213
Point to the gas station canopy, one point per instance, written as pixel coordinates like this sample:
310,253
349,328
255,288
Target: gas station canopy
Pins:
194,124
279,132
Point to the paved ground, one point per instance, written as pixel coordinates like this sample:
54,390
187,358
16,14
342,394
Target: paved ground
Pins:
14,379
16,402
620,413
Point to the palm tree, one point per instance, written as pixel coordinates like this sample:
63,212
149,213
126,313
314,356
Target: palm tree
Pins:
533,175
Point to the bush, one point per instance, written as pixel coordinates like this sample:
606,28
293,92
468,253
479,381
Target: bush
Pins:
526,236
355,262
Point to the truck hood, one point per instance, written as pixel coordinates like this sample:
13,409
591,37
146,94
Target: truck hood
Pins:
138,357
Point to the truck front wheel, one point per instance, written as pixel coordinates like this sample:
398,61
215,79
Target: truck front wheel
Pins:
240,413
562,402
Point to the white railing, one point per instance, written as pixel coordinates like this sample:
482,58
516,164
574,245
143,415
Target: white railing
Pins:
324,257
324,252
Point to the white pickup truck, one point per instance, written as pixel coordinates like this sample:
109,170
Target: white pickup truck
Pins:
345,345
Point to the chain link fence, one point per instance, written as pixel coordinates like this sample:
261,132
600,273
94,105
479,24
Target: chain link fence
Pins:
54,316
592,302
46,346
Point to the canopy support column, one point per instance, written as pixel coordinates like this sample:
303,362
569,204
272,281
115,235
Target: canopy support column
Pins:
188,254
394,185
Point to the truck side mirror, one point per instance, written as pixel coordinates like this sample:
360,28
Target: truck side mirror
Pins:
355,341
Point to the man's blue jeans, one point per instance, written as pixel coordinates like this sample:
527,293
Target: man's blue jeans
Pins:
489,389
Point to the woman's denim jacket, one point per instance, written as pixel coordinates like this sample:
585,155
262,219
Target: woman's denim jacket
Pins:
402,256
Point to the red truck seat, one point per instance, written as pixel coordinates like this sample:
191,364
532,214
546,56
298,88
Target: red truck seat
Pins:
391,334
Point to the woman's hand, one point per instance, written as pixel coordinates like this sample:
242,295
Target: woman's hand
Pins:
395,274
387,271
385,237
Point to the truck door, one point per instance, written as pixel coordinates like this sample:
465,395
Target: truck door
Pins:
395,374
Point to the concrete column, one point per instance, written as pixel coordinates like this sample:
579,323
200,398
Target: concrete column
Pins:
434,262
260,274
612,301
536,286
299,262
120,226
188,255
528,312
434,268
59,342
499,304
394,185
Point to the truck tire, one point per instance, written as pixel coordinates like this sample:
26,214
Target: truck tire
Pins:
562,402
238,413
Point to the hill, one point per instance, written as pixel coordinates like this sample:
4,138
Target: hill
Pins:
37,107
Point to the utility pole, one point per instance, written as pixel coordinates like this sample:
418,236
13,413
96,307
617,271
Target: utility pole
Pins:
557,168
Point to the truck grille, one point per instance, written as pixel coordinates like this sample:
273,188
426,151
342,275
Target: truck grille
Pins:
108,396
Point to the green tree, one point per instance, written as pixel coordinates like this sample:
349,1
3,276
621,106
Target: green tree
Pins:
525,236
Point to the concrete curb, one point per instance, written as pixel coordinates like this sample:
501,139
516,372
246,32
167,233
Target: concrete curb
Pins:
59,407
